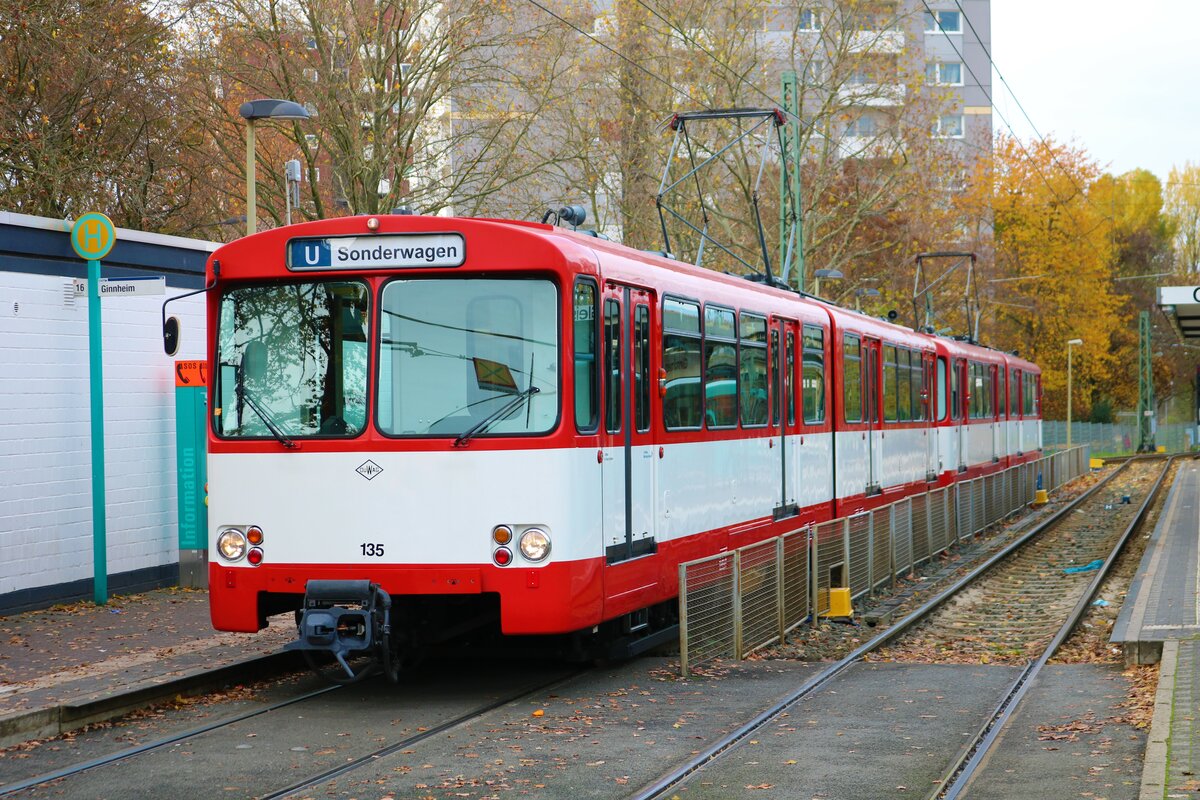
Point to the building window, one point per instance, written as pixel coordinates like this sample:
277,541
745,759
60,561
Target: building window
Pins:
789,18
949,126
944,73
862,126
943,22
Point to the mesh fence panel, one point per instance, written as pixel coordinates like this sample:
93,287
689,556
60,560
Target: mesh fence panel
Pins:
992,492
978,513
706,600
759,587
860,554
881,569
796,588
902,537
830,552
920,528
962,514
939,527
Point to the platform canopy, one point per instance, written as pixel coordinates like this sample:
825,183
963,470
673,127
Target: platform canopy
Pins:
1181,304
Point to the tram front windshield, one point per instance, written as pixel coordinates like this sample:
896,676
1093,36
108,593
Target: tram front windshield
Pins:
292,360
468,357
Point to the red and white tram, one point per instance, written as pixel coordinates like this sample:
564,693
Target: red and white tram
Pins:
458,422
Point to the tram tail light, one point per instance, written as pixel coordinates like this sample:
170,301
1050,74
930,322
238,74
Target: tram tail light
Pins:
255,556
502,556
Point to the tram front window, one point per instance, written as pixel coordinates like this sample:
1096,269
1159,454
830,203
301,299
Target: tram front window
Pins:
468,357
292,360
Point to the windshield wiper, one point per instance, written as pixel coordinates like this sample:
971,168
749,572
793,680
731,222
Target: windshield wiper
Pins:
498,414
265,416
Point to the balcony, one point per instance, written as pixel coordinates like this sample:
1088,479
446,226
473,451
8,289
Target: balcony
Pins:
880,42
873,95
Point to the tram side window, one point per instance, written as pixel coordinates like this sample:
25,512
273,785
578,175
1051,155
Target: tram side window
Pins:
775,376
904,379
753,380
612,365
1027,387
641,366
917,386
955,390
814,374
1013,394
891,403
586,398
683,402
975,388
851,378
720,367
941,390
790,356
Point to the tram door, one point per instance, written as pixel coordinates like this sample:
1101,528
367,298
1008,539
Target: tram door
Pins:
960,395
872,416
629,470
784,344
930,416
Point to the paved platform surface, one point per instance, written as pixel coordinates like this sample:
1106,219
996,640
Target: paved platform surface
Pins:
65,666
1162,602
1160,620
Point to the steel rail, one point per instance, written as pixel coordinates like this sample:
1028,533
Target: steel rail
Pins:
387,750
130,752
720,747
967,765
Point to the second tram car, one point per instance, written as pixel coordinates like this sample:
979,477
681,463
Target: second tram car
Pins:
462,423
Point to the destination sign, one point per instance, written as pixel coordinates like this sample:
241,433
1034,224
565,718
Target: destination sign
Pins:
400,251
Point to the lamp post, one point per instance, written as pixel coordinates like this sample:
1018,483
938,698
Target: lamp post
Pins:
1070,343
831,274
253,111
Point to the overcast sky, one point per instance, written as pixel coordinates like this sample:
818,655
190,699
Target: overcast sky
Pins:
1122,84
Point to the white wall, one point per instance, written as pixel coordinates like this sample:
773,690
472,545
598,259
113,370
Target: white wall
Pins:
45,439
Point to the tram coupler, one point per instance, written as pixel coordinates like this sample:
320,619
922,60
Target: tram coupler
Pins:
344,617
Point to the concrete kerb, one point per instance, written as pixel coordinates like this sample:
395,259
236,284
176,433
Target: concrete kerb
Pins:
39,723
1154,770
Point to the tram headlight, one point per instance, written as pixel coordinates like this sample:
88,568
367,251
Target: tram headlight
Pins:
231,544
535,544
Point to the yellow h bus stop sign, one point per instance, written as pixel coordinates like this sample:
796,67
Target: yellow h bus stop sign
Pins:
92,236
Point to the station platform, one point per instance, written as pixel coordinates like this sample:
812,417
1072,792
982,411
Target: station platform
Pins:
1160,622
74,664
1162,601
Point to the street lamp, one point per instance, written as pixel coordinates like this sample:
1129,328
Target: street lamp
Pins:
863,292
1070,343
831,274
253,111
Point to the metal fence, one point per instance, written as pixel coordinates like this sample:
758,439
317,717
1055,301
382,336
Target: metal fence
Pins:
1118,438
735,602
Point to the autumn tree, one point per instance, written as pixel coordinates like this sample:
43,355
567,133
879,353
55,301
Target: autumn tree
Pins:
1054,260
88,118
1183,209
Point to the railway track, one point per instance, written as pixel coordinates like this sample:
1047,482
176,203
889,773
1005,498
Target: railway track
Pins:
275,715
1016,607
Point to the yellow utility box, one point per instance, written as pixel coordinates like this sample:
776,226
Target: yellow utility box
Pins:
1096,463
1041,498
1162,448
839,603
